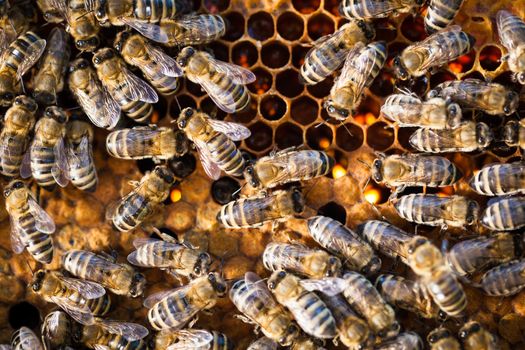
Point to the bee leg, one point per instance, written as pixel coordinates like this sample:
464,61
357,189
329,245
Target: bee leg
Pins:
193,321
245,319
504,58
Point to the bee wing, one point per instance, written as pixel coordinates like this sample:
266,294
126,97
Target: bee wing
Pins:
17,244
191,339
438,54
161,248
234,131
28,340
376,9
179,292
211,169
5,347
83,155
80,314
200,28
130,331
44,223
33,53
90,5
352,68
25,167
138,89
338,56
61,7
237,74
139,242
103,111
88,289
216,93
168,65
60,167
148,30
511,39
101,347
328,285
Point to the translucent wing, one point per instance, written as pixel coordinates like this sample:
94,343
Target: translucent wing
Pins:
168,65
88,289
336,57
234,131
138,89
25,167
211,169
130,331
357,70
90,5
60,167
199,29
5,347
61,7
80,314
328,285
161,260
220,97
44,223
191,339
139,242
17,244
179,292
374,9
350,67
33,53
513,35
102,109
28,340
237,74
101,347
80,157
148,30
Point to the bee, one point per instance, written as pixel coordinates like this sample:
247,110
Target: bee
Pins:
160,69
442,339
133,94
119,278
433,210
408,295
409,110
362,65
15,137
314,263
428,263
24,338
79,149
139,142
491,98
474,336
514,133
263,343
511,29
504,214
345,243
369,9
82,300
49,79
251,297
286,166
47,153
433,52
467,137
329,52
140,203
30,224
214,142
94,99
57,331
192,339
260,209
181,259
50,13
307,343
15,20
224,82
19,57
386,238
404,341
505,279
500,179
440,14
174,308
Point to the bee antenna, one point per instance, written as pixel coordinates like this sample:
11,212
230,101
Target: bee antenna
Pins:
364,163
30,268
85,14
347,130
239,190
178,104
323,123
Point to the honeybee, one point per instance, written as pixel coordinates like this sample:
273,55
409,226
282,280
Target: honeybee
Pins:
24,338
94,99
404,341
386,238
253,299
511,29
214,142
192,339
314,263
433,52
81,167
47,153
224,82
408,295
119,278
15,20
362,65
140,203
49,79
82,300
467,137
19,121
286,166
57,331
368,9
409,110
514,133
440,14
258,210
433,210
329,52
500,179
160,69
442,339
174,308
50,13
343,242
133,94
139,142
263,343
491,98
474,336
20,56
166,254
504,214
428,263
30,224
505,279
307,343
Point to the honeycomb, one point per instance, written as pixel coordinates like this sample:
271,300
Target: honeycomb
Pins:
271,38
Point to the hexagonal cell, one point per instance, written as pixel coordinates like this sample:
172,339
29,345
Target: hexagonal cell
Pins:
23,314
219,50
490,57
208,106
262,83
413,28
463,63
290,26
194,89
287,83
261,137
298,54
321,89
332,6
319,136
260,26
235,28
244,54
215,6
246,115
383,84
275,55
160,111
441,77
306,6
334,211
376,194
403,135
288,135
272,107
349,137
304,110
183,101
183,166
320,25
385,29
380,136
473,75
223,189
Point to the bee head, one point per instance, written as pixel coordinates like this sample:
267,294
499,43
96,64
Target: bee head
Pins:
251,176
400,69
88,45
332,106
275,279
468,329
100,11
78,64
13,186
38,280
334,267
103,55
52,16
27,102
120,40
292,332
438,334
484,135
377,170
57,114
184,116
416,243
367,29
218,284
138,283
202,265
520,77
454,114
165,174
6,98
510,132
185,55
372,267
511,102
297,200
472,212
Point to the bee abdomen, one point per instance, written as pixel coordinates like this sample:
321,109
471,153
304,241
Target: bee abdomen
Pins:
137,110
226,155
504,280
379,60
242,213
500,179
100,306
316,319
236,93
358,9
85,178
164,84
448,294
161,315
128,212
42,161
10,165
17,51
440,171
440,14
155,10
506,214
319,64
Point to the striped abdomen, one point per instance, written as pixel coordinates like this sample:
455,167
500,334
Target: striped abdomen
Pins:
402,108
234,96
155,10
220,342
131,212
378,51
440,14
42,162
22,339
38,244
19,50
82,175
139,111
504,280
500,179
141,142
312,315
225,154
164,84
432,171
421,209
248,212
506,214
511,29
100,306
86,265
322,61
364,9
454,43
117,341
447,292
10,163
299,166
162,314
386,238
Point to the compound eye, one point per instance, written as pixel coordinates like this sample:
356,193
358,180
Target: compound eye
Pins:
96,60
281,274
271,285
18,185
182,124
188,113
211,277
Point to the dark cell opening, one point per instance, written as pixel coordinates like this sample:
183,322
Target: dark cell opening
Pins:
160,111
194,89
247,114
234,27
184,101
219,50
304,110
506,78
464,63
164,230
290,26
334,211
473,75
262,83
383,85
376,194
322,89
216,6
320,25
319,137
349,137
403,135
380,136
275,55
306,6
183,166
288,135
332,6
478,19
441,77
261,137
501,149
490,57
385,30
24,314
413,28
287,83
145,165
244,54
223,190
260,26
298,54
273,107
208,106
